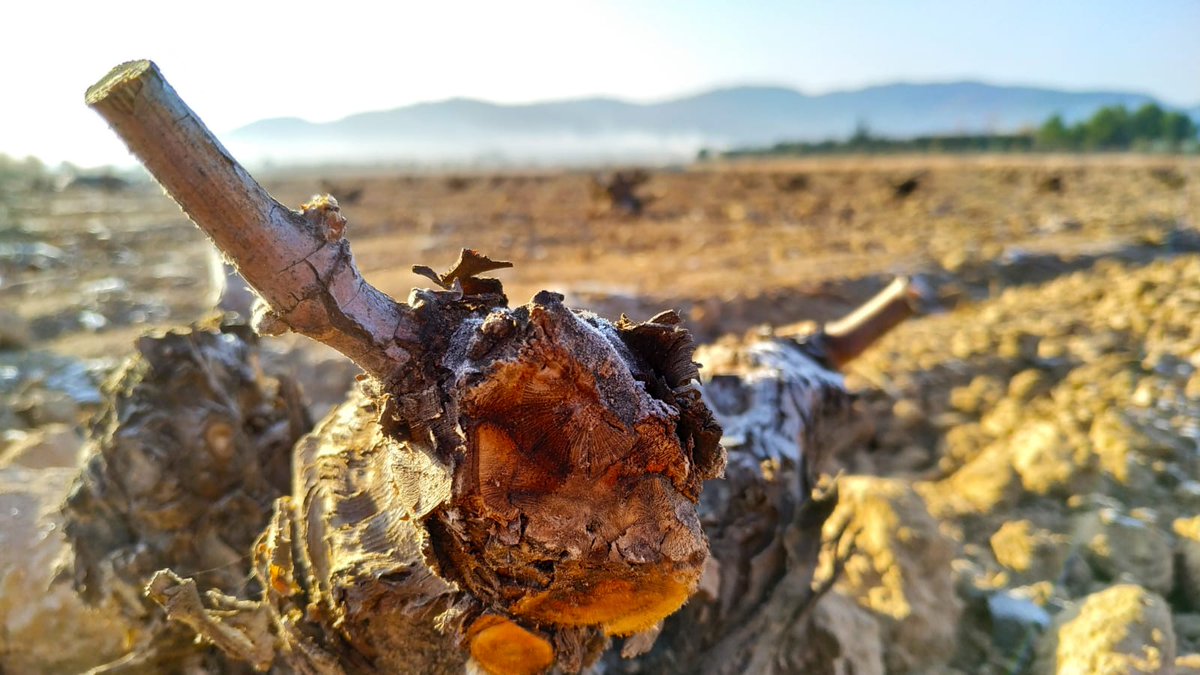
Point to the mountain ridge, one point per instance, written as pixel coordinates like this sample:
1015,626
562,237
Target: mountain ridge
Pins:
614,129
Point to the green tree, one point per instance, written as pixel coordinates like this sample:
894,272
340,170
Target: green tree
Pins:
1109,129
1147,123
1177,128
862,137
1054,135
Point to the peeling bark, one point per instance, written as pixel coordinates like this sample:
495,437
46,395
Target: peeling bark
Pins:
388,555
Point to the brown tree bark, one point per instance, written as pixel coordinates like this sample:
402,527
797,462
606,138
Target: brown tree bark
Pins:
513,487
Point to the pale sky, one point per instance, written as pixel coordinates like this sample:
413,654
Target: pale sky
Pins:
237,62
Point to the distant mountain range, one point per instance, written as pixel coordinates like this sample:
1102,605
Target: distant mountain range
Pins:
610,130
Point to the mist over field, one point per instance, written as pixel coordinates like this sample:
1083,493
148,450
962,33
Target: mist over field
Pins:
606,130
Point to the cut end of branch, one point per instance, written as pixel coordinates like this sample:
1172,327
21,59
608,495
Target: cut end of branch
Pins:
120,82
847,338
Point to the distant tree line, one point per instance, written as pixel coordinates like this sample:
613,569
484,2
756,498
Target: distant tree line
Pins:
1147,129
863,142
1117,128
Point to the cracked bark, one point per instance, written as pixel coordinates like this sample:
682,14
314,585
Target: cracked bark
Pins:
513,487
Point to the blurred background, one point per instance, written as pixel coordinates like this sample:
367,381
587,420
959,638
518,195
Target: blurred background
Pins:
749,165
572,83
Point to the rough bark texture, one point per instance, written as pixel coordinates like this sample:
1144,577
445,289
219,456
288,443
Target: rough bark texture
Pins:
183,466
535,497
784,414
528,544
511,489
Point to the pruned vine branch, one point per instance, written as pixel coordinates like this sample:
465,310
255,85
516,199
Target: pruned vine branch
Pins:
298,262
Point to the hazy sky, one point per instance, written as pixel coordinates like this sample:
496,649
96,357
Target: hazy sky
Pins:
236,62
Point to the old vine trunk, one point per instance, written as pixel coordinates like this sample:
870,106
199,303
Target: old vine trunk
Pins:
513,488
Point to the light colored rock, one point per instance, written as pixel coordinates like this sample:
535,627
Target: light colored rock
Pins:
1187,494
1188,664
1004,418
1192,388
56,445
960,444
1014,618
1124,548
1121,630
898,567
44,625
983,485
841,639
1047,461
908,413
1030,553
983,392
1027,384
1110,439
14,331
1122,446
40,407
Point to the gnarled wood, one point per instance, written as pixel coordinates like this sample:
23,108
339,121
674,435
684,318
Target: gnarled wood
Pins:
516,486
535,465
191,449
547,485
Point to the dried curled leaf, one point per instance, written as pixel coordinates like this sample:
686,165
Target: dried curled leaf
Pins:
466,271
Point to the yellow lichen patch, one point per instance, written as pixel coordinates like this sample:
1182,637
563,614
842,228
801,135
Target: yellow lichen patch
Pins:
620,605
281,580
501,647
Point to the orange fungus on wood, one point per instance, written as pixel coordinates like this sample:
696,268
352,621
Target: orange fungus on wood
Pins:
501,647
620,605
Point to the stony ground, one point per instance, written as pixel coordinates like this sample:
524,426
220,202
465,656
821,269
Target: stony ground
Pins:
1025,490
